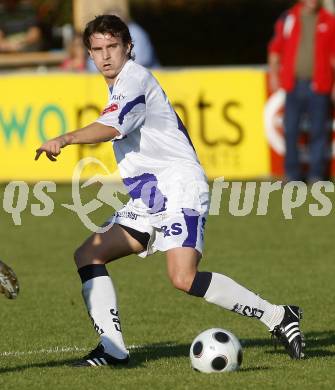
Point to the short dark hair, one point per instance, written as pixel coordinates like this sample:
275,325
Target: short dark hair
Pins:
108,24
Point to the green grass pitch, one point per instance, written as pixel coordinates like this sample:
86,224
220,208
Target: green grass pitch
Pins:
285,261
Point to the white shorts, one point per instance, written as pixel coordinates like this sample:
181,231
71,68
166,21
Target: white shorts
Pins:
167,230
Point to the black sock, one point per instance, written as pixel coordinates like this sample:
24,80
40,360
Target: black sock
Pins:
200,284
92,271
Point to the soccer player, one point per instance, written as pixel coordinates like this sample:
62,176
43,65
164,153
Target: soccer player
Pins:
9,284
168,202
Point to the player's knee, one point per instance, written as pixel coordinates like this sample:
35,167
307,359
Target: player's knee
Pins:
182,282
82,257
88,254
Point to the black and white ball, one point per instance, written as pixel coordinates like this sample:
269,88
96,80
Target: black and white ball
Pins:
216,350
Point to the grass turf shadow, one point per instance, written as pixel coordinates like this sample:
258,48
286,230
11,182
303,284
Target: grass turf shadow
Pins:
48,364
140,356
150,352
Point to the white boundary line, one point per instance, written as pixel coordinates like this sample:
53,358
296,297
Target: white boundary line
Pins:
55,350
43,351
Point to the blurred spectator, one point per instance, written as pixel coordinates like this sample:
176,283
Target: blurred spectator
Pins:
144,51
76,58
301,61
19,27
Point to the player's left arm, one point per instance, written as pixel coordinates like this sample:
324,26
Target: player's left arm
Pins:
92,134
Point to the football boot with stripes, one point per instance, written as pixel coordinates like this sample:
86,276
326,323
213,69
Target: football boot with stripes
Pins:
9,284
98,357
288,332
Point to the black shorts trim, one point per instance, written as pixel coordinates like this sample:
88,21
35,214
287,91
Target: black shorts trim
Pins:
142,238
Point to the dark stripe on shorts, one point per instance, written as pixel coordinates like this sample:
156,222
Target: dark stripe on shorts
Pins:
191,218
142,238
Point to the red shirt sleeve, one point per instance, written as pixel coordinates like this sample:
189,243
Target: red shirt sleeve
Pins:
332,48
277,41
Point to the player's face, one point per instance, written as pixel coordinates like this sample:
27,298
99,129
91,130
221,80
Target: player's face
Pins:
109,55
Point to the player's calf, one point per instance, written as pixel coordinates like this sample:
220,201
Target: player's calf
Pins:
182,267
182,282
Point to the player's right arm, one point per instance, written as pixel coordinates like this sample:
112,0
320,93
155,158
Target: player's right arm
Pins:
92,134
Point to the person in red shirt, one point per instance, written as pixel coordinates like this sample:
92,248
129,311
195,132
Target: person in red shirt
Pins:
302,61
76,58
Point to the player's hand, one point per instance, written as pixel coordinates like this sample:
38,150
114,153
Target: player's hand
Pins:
51,148
274,82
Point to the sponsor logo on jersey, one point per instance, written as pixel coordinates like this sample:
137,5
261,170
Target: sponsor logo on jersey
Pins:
111,108
323,27
126,214
175,229
118,97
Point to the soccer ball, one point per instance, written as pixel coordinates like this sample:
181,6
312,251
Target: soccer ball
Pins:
216,350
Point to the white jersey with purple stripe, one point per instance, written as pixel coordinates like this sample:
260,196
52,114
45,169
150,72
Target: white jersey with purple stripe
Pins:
155,156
